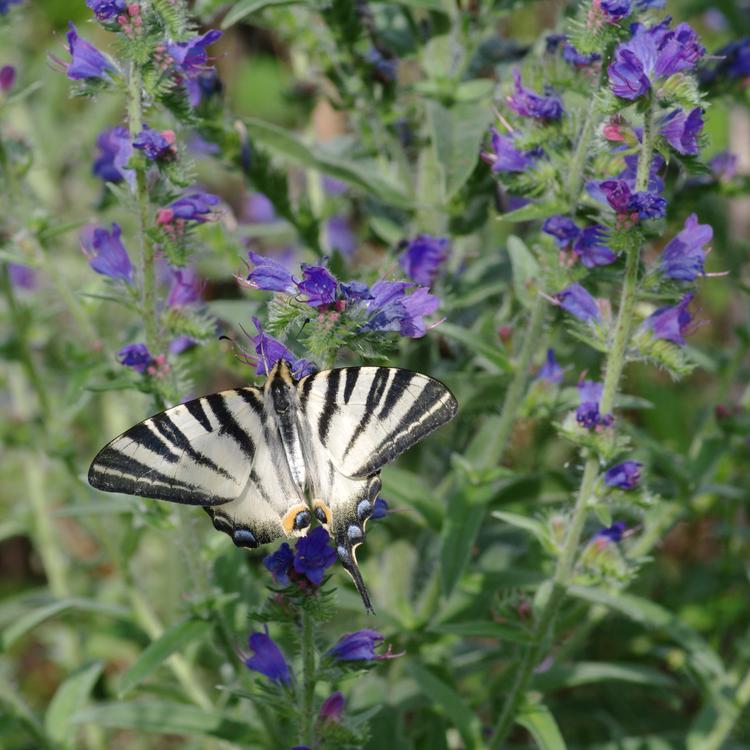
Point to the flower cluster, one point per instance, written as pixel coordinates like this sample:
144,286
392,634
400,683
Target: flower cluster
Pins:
307,565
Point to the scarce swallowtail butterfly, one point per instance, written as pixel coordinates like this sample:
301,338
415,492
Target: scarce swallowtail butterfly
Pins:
263,461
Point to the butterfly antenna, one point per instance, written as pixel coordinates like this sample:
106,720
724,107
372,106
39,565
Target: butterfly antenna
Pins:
349,561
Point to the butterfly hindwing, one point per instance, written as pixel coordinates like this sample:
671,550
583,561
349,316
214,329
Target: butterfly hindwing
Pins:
272,504
367,416
197,453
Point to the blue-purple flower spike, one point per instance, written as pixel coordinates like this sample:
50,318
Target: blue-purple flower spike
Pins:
613,533
115,150
267,658
579,303
313,555
551,371
106,253
107,10
357,646
280,563
423,257
671,323
527,103
684,255
624,476
588,414
135,356
87,62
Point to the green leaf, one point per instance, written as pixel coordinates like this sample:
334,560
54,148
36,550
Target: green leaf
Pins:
585,673
245,8
37,616
526,271
456,133
538,720
69,698
451,702
534,527
484,629
704,660
362,175
533,211
173,639
460,529
477,344
168,718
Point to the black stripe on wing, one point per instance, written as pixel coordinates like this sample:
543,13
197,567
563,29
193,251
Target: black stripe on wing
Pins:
329,405
377,388
229,425
434,406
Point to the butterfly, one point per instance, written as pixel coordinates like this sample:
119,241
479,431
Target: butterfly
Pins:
263,461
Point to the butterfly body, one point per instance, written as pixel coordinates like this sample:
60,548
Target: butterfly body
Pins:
264,462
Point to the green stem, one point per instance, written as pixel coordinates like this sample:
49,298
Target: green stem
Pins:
306,735
544,627
728,717
148,300
489,444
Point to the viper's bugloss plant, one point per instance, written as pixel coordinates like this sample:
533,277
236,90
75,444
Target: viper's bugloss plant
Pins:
542,210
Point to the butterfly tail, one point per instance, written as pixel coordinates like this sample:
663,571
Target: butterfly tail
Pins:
348,556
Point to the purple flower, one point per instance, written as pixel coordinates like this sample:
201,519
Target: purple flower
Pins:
271,350
115,150
385,68
652,54
724,166
357,646
648,205
267,658
332,186
562,228
136,356
611,533
156,145
624,476
181,344
590,248
333,707
681,130
393,310
423,257
318,284
683,256
7,78
579,303
615,9
528,103
258,209
671,323
186,289
355,291
190,57
193,207
313,555
105,252
550,370
86,60
280,563
587,413
22,276
617,193
339,235
106,10
270,275
5,5
505,157
379,509
573,57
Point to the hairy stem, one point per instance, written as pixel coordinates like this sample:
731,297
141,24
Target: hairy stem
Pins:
148,299
489,444
307,696
613,371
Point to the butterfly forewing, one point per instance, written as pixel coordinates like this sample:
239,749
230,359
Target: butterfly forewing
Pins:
198,453
367,416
